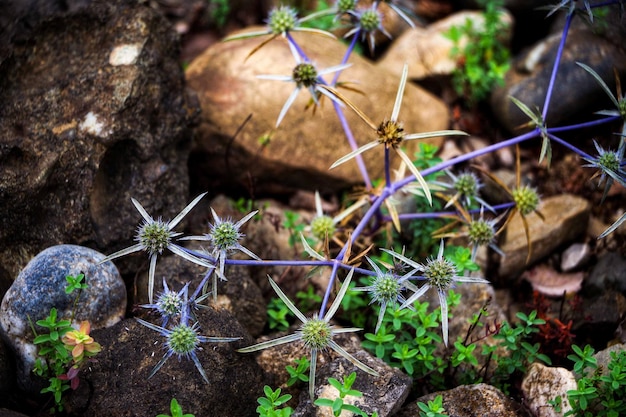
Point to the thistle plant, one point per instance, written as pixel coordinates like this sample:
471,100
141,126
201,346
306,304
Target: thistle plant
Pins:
440,274
183,340
465,186
281,21
154,236
306,75
224,238
391,135
386,289
315,333
169,304
368,21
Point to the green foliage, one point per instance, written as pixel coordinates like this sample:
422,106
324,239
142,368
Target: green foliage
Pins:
176,410
278,314
338,405
520,353
299,373
294,225
461,257
484,59
324,22
75,283
308,299
599,392
434,408
268,405
53,358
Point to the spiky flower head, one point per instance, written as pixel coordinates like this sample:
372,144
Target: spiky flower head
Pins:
526,199
481,232
390,133
322,226
183,340
345,6
369,20
316,333
440,273
609,160
305,75
224,235
467,184
385,288
154,236
282,19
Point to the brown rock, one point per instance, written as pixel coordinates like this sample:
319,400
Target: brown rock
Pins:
305,145
427,50
469,401
566,217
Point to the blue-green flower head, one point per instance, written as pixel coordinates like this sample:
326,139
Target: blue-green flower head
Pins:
282,19
467,184
322,226
316,333
305,75
370,20
183,340
481,232
385,288
224,235
440,273
154,236
526,199
345,6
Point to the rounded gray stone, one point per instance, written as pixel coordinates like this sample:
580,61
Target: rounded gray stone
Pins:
40,286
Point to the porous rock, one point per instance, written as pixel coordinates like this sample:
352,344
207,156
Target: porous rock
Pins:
565,218
301,150
543,384
94,112
469,401
120,376
383,394
41,287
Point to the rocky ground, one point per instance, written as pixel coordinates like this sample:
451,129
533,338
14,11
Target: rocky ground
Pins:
97,109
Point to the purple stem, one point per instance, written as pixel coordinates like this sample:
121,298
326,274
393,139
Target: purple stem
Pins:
555,68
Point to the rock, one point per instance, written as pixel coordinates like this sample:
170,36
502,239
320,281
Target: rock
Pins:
427,50
41,286
7,371
94,112
603,357
599,317
384,394
576,94
566,218
543,384
305,145
547,281
120,376
575,256
609,273
469,401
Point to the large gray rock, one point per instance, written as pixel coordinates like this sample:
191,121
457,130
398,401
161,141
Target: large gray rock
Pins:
576,94
94,112
41,287
305,145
